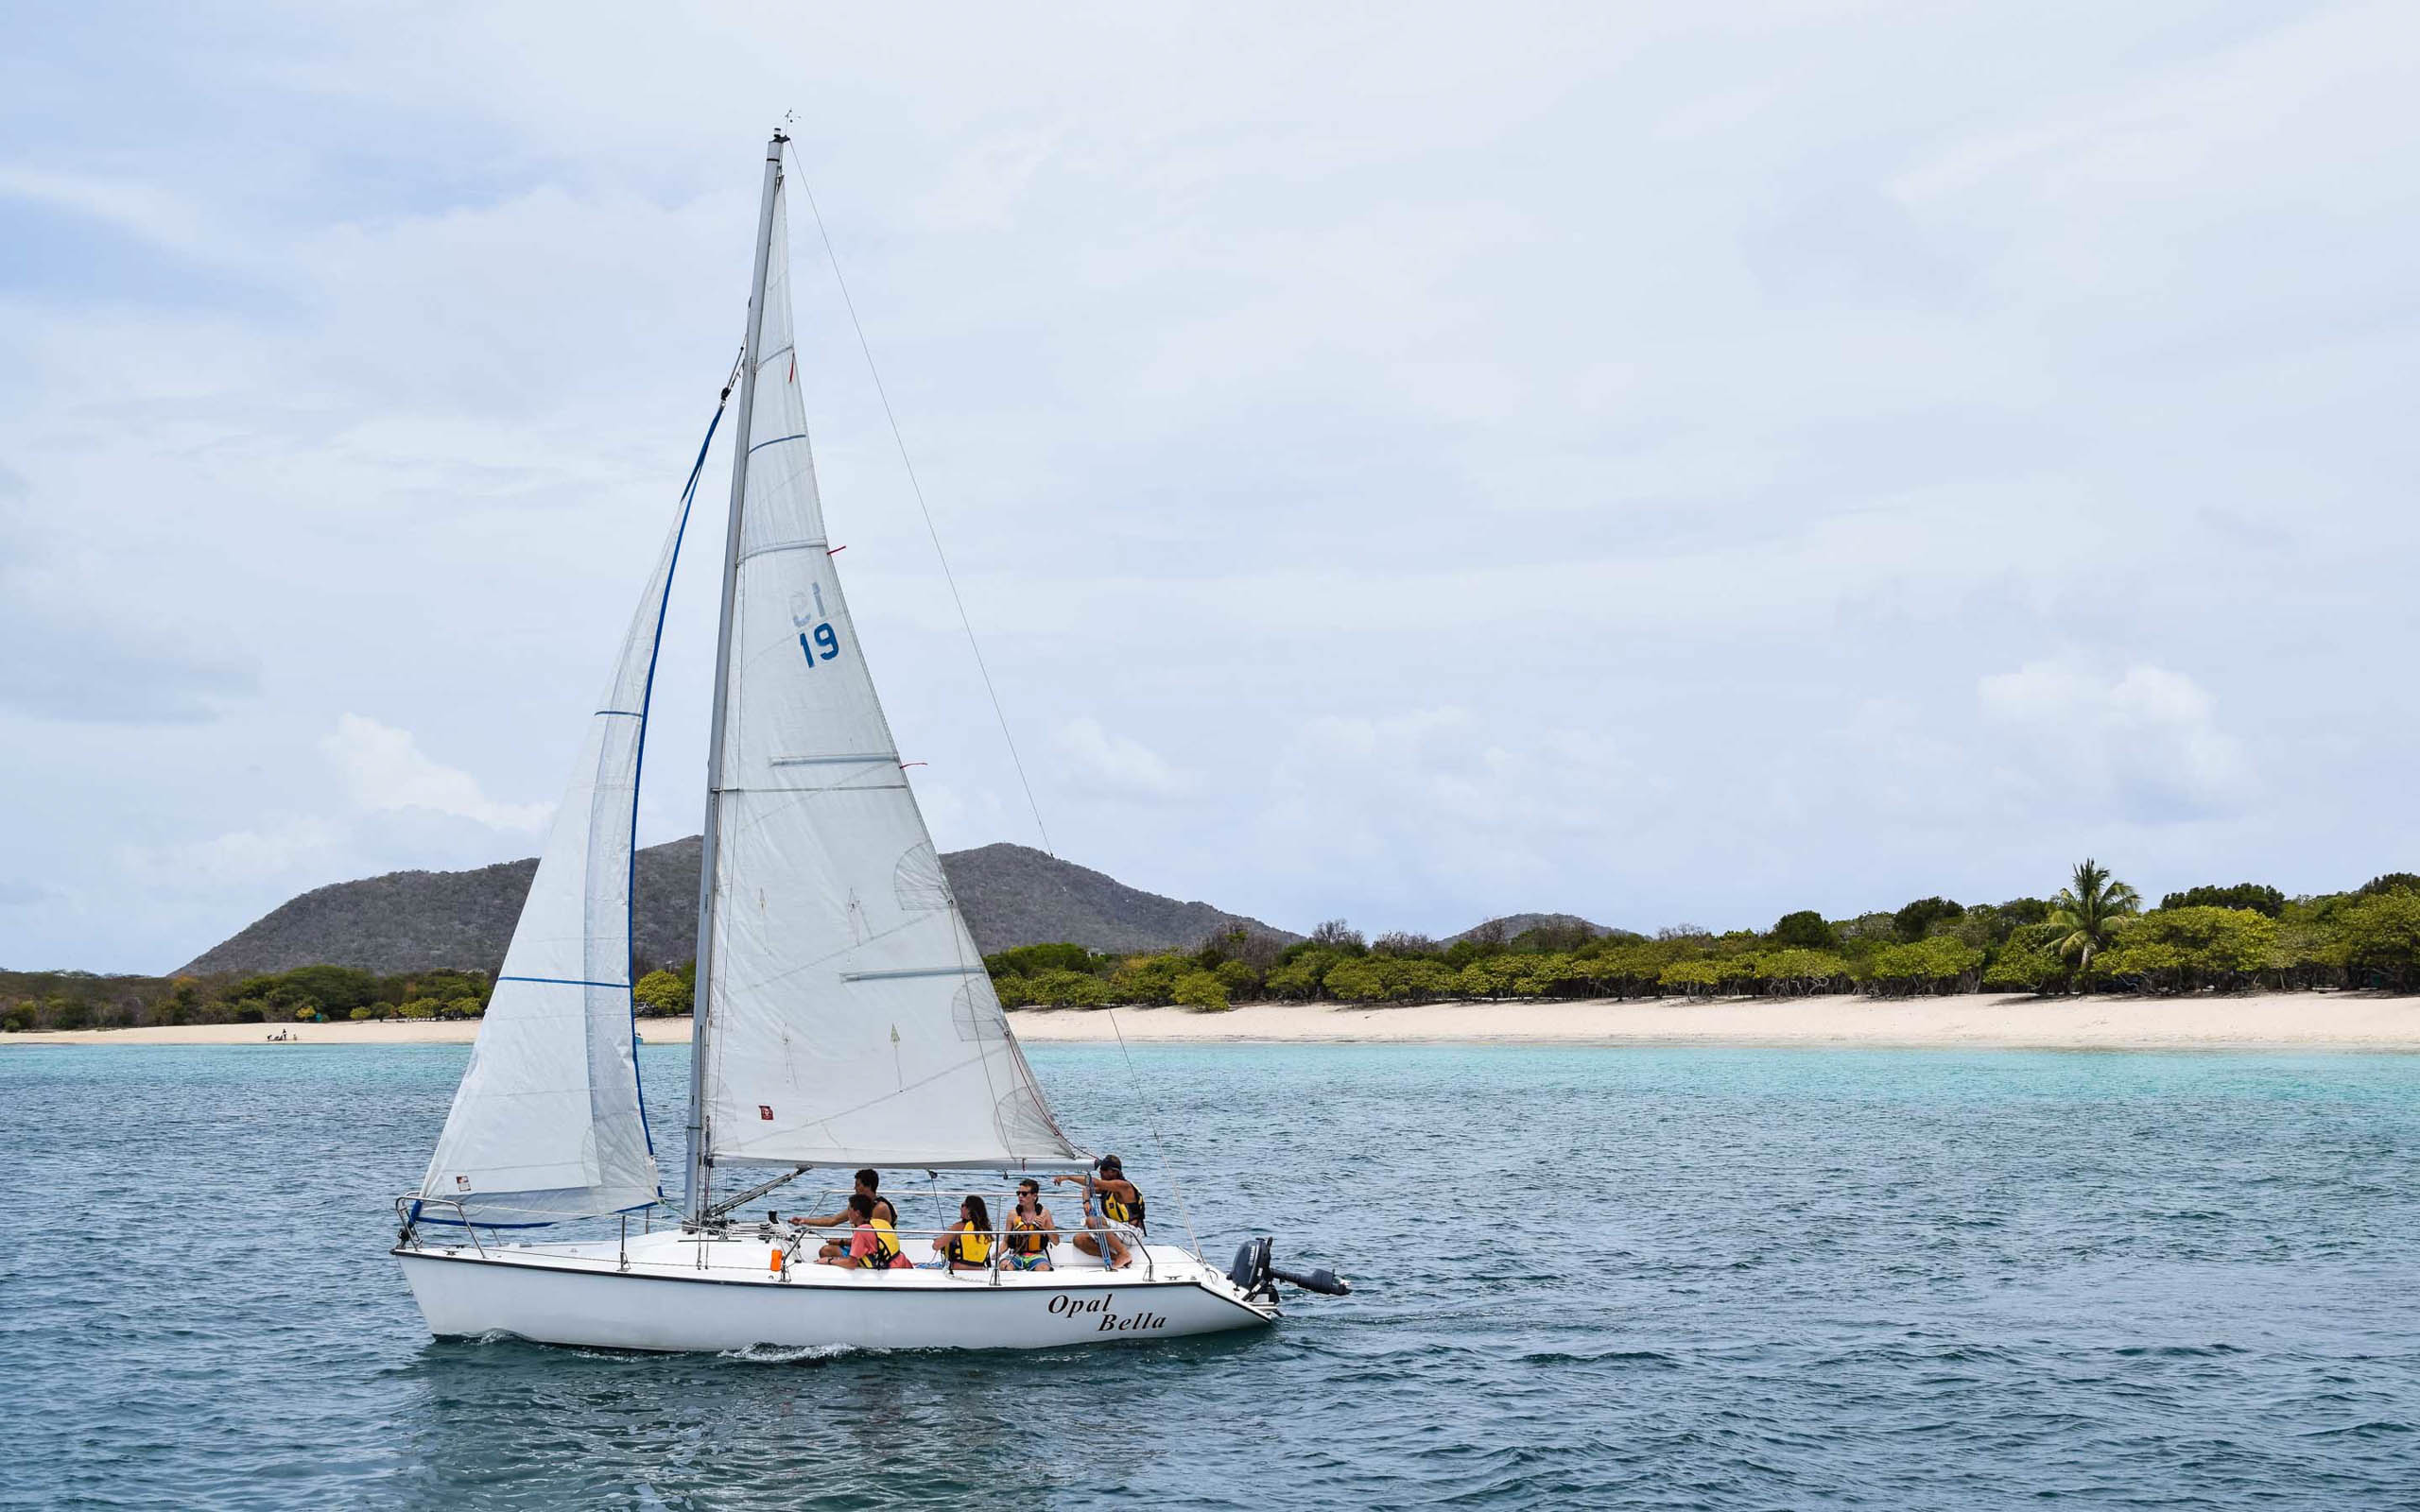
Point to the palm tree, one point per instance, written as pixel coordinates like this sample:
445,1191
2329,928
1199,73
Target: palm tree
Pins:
2088,911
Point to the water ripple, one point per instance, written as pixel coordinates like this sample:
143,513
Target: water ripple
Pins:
1585,1279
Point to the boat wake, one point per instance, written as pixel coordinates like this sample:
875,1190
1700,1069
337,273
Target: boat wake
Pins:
791,1354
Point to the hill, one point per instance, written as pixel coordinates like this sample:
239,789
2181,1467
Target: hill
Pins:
1512,926
422,920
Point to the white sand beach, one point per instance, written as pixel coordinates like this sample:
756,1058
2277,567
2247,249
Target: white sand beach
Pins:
2311,1021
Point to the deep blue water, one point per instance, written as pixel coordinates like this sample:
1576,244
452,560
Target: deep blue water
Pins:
1587,1278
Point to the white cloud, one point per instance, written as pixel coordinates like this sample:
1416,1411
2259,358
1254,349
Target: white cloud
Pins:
384,768
1119,763
274,851
2146,742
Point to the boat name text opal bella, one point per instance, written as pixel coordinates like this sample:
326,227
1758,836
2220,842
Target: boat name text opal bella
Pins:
1067,1306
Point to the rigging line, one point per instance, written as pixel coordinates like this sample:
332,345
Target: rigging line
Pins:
918,487
1166,1164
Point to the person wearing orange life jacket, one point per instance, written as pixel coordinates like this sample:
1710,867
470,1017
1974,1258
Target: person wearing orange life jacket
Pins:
1120,1202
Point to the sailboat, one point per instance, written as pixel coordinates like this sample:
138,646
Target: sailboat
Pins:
844,1016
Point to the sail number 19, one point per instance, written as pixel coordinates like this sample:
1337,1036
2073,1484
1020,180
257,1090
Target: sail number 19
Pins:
823,646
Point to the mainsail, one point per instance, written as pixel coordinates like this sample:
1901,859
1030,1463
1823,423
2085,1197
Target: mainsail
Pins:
846,1016
547,1124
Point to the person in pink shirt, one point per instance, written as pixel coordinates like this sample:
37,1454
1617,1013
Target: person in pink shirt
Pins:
873,1245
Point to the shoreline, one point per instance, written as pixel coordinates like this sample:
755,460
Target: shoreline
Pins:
2282,1021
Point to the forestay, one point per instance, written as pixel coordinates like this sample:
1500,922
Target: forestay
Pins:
547,1124
851,1021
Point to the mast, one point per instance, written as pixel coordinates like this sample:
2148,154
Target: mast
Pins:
695,1195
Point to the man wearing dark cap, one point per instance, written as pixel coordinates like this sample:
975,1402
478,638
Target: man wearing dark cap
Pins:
1119,1201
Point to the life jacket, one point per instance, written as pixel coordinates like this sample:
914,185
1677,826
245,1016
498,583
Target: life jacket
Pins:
969,1248
884,1211
886,1247
1027,1237
1116,1211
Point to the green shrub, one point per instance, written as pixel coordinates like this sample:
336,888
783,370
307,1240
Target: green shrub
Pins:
661,992
1239,978
1202,991
2381,940
1069,989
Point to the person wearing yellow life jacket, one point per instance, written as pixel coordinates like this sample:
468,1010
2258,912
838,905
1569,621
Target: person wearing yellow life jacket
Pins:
966,1244
873,1245
1031,1232
1120,1202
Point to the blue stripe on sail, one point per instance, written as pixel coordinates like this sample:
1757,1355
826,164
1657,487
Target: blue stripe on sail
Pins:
638,764
626,714
566,981
775,441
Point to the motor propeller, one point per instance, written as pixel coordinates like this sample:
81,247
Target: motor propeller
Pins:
1255,1276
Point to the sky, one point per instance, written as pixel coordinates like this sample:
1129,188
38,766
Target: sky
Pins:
1660,462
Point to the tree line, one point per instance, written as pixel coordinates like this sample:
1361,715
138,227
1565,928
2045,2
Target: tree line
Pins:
2094,934
307,994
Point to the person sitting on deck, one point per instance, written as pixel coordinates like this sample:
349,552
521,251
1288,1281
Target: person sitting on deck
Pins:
966,1244
1121,1202
1031,1232
869,1183
873,1245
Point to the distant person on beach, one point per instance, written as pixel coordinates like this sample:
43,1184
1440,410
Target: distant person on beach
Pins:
869,1183
1119,1201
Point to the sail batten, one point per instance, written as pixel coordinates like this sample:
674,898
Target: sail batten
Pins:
848,1016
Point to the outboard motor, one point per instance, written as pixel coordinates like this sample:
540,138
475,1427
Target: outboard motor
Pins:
1251,1270
1257,1277
1323,1281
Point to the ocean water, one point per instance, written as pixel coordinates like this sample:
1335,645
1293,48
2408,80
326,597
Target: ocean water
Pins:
1617,1277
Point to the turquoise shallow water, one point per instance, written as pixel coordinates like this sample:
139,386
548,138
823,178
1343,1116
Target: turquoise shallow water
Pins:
1588,1277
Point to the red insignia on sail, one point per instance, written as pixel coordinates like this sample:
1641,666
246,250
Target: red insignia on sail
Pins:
765,1112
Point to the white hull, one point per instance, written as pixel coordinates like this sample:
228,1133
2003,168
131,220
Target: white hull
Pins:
666,1300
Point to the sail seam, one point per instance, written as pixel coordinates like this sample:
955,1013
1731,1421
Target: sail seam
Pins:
790,545
566,981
